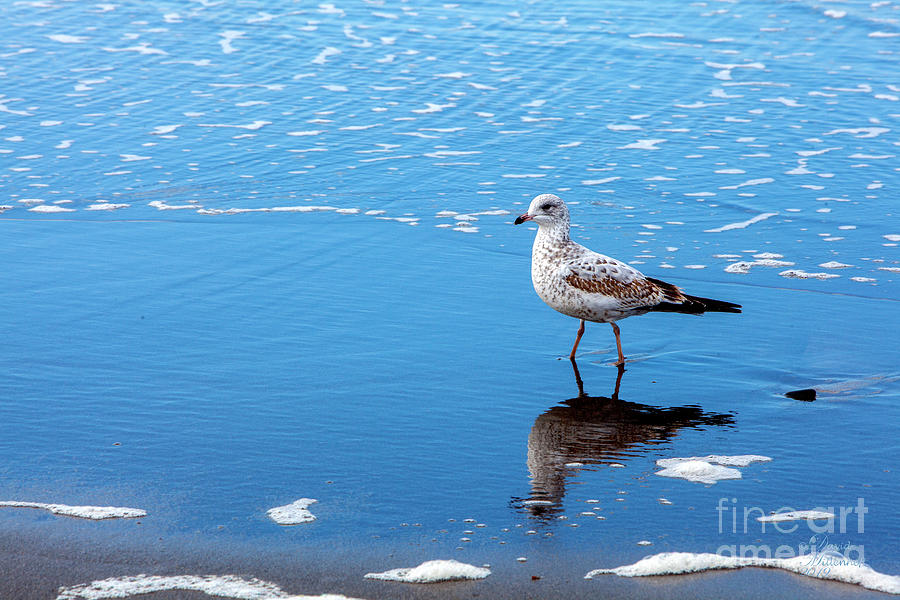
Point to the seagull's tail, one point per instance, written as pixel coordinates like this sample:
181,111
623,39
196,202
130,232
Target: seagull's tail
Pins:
694,305
710,305
678,301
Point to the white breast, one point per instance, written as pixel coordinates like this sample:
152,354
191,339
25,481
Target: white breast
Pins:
552,260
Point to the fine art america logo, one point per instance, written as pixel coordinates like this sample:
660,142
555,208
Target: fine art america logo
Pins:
813,526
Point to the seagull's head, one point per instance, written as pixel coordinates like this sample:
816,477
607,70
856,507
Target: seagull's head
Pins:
546,210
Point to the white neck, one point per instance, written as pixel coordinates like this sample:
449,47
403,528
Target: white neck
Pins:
555,233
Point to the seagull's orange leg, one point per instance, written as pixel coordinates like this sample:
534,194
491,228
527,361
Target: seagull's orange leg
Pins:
618,345
577,339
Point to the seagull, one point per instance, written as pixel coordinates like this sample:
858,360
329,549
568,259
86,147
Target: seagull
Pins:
589,286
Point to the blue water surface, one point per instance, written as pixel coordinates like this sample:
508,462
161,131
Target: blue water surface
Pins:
258,251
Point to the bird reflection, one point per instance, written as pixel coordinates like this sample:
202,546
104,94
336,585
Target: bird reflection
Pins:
593,430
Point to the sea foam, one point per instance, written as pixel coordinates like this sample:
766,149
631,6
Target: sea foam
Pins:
220,586
294,513
676,563
796,515
433,571
707,469
84,512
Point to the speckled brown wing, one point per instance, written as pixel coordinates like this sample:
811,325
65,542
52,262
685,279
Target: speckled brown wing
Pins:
616,280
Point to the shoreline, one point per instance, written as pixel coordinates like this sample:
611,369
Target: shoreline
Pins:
36,564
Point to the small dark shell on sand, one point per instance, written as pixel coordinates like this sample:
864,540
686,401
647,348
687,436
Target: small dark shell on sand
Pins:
808,395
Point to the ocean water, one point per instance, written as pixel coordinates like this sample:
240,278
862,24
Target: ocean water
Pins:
260,251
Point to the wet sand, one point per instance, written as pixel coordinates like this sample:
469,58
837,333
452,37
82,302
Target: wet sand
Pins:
36,564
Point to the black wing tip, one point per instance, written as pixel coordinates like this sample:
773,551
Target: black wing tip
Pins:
678,301
697,306
718,305
722,306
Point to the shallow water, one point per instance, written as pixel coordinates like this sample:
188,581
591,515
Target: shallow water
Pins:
255,252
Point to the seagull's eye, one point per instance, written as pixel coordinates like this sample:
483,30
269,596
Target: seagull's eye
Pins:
546,207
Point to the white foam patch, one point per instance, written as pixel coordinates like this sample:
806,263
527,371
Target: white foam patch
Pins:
227,37
743,267
107,206
330,9
643,145
796,515
161,205
860,132
142,48
450,153
741,224
800,169
433,571
656,35
700,471
431,107
294,513
623,127
786,101
751,182
164,129
676,563
800,274
63,38
50,208
537,503
833,264
599,181
251,126
324,55
752,65
707,469
84,512
735,460
453,75
806,153
300,209
222,586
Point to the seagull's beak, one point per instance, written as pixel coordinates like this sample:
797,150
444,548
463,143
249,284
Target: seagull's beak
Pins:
521,219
